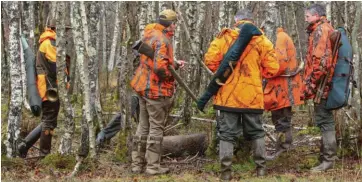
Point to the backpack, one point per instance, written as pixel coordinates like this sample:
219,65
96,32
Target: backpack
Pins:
343,74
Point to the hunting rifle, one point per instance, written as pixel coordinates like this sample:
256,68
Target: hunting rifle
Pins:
324,80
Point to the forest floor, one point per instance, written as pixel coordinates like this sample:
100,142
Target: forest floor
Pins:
293,165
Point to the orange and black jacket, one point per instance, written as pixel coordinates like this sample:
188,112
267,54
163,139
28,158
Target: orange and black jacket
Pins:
281,92
242,91
46,67
152,78
318,59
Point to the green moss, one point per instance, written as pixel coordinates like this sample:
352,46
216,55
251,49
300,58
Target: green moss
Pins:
310,131
59,161
213,167
122,149
308,162
11,162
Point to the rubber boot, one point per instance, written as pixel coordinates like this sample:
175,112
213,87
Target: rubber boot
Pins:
226,155
329,151
153,156
45,142
138,153
29,141
259,156
284,142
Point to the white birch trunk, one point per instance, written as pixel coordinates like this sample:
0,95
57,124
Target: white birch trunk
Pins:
5,53
104,38
356,101
15,114
28,25
190,70
84,74
271,20
142,17
151,12
345,15
297,32
222,15
93,45
65,147
232,6
114,40
328,10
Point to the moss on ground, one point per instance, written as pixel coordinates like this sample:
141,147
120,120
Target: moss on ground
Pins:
121,151
58,161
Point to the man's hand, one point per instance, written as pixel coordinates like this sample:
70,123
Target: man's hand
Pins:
180,63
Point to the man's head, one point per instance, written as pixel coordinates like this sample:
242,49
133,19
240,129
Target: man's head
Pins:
314,12
168,19
243,14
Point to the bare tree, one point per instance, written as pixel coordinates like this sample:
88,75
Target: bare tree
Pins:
15,80
104,38
65,146
222,15
356,101
114,40
271,21
93,61
143,17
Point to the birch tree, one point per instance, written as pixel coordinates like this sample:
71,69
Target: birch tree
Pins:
84,74
104,38
356,101
271,20
15,114
152,11
65,147
222,15
93,61
200,25
190,78
4,53
127,66
143,17
27,22
114,40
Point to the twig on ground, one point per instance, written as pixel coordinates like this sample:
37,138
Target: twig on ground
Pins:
192,158
171,127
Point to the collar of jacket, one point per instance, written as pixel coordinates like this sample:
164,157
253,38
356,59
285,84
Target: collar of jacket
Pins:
47,34
159,27
313,26
236,25
280,29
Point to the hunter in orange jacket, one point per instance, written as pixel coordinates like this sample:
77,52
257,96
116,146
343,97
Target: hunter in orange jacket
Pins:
155,86
152,78
240,101
46,62
318,59
243,91
281,92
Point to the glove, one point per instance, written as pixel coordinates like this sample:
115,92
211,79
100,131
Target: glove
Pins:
36,110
